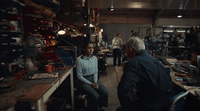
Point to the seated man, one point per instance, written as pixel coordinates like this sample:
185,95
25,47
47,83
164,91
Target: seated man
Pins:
151,79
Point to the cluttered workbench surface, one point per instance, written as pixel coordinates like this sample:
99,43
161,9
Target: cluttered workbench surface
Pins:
36,88
184,75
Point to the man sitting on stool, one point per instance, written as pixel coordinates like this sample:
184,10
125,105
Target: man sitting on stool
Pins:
150,78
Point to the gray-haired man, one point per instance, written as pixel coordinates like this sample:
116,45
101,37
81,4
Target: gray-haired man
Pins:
152,80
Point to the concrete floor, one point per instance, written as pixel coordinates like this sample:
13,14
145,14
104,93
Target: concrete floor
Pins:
110,81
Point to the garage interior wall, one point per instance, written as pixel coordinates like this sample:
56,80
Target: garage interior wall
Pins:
179,22
175,22
111,26
111,30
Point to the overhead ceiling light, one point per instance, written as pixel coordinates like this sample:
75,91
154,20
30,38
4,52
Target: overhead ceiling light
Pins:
112,6
136,4
176,26
168,31
61,32
179,16
181,31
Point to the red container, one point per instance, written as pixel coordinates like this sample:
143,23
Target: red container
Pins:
48,68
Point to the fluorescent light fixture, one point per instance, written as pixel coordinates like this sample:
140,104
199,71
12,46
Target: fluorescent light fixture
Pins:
112,9
61,32
181,31
179,16
168,31
175,26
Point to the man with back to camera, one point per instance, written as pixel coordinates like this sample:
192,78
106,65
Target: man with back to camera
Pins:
117,44
151,79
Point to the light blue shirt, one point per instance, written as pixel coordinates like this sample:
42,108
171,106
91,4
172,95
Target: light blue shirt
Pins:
85,67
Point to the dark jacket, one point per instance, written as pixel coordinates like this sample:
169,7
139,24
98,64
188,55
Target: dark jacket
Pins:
153,82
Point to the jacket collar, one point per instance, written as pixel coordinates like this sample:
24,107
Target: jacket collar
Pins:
85,57
141,52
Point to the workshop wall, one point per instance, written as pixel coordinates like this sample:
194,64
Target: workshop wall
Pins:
111,30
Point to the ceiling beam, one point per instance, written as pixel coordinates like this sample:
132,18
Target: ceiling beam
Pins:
185,4
125,13
157,13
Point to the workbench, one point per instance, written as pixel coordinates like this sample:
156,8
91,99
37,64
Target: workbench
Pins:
39,90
